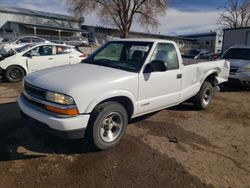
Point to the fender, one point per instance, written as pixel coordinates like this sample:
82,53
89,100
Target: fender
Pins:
109,95
18,65
216,71
10,61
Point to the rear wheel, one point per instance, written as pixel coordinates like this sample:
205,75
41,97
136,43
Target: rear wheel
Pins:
203,99
107,125
14,74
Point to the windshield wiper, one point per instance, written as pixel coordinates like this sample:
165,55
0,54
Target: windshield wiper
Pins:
96,62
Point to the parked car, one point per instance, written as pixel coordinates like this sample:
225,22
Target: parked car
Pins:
77,41
196,54
209,56
122,80
12,52
41,56
5,47
239,58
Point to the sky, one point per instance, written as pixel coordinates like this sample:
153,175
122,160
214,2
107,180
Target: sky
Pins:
182,16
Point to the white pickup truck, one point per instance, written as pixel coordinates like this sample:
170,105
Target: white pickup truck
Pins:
122,80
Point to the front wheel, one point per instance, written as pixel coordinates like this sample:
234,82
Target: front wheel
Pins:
14,74
107,125
204,97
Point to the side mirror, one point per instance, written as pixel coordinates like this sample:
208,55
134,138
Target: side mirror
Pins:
156,66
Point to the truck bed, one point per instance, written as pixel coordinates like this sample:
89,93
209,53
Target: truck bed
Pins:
189,61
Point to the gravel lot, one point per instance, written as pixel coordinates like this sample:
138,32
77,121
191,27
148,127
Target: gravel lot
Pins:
177,147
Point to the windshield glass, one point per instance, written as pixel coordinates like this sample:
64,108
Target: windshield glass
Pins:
237,53
124,55
23,48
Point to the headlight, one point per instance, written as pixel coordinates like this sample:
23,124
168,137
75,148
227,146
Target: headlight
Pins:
59,98
246,68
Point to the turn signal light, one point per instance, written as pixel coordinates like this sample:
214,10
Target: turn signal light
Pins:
68,112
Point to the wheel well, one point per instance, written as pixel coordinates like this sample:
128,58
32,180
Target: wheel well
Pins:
17,66
125,102
212,79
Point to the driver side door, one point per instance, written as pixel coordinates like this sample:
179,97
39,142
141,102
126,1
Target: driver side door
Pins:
158,90
40,58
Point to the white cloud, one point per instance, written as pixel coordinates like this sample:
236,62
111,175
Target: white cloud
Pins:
175,22
53,6
180,22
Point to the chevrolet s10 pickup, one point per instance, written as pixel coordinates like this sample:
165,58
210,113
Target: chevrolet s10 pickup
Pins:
121,80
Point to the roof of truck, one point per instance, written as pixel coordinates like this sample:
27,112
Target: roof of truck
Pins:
143,40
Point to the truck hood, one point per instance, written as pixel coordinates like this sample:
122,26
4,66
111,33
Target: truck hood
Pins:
238,63
69,78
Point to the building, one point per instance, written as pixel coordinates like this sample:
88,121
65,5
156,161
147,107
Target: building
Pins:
238,36
211,41
19,21
103,34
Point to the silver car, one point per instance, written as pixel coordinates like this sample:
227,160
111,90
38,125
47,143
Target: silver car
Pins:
5,47
239,58
77,41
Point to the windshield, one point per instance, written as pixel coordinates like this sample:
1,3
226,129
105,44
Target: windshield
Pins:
23,48
237,53
124,55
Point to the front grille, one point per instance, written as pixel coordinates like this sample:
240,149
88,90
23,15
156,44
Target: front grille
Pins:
233,69
34,91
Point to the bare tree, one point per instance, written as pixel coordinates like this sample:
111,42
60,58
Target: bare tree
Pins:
122,13
235,14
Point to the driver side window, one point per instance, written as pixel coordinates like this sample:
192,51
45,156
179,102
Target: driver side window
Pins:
166,52
34,52
41,51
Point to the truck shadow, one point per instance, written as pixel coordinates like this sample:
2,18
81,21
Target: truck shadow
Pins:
19,142
2,80
228,87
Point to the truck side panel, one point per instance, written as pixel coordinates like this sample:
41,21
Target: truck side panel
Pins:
195,74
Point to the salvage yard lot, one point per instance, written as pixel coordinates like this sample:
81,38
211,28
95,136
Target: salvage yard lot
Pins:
177,147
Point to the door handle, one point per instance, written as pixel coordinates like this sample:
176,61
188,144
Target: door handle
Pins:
50,58
179,76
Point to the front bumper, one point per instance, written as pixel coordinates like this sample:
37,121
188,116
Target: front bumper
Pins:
65,127
240,78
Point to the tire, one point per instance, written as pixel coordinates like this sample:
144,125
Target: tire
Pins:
204,97
14,74
108,123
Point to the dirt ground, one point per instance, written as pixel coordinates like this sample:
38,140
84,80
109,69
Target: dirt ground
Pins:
177,147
